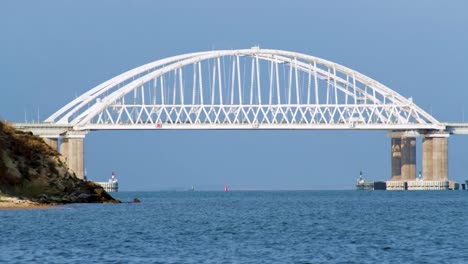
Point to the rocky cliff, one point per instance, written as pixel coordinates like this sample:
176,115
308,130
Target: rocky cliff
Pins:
29,168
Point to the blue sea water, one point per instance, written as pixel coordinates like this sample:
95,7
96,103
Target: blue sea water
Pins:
245,227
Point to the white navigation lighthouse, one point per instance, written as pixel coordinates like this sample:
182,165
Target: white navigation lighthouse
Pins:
110,186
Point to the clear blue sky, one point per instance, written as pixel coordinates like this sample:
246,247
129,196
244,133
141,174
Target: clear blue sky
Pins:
52,51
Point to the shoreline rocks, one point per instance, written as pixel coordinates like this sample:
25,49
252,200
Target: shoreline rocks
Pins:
31,169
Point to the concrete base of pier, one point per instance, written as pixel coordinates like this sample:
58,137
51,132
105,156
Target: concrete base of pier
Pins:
396,185
416,185
428,185
434,162
421,185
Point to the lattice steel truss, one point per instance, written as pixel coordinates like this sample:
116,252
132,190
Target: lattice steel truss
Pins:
243,89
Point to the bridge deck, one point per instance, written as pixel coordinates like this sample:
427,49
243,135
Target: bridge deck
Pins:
457,128
44,129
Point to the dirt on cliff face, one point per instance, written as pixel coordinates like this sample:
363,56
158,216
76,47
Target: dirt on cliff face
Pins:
31,169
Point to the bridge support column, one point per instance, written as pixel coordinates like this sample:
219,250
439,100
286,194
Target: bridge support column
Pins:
408,158
440,158
403,156
435,157
72,148
396,159
52,142
427,164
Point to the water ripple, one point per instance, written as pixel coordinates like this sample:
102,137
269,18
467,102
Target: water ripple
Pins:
245,227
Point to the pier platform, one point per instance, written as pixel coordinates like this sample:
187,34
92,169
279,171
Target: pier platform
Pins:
421,185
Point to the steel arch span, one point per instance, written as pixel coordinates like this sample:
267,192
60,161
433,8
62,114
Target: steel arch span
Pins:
243,89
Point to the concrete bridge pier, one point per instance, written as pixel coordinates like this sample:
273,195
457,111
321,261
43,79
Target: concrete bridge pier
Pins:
403,147
435,157
52,142
427,164
72,149
408,158
396,159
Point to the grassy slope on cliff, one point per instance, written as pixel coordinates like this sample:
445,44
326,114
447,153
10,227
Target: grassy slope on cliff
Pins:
31,169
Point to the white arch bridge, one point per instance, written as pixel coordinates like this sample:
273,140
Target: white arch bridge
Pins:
249,89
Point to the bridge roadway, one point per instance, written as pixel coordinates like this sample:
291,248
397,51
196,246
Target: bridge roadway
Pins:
51,130
456,128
